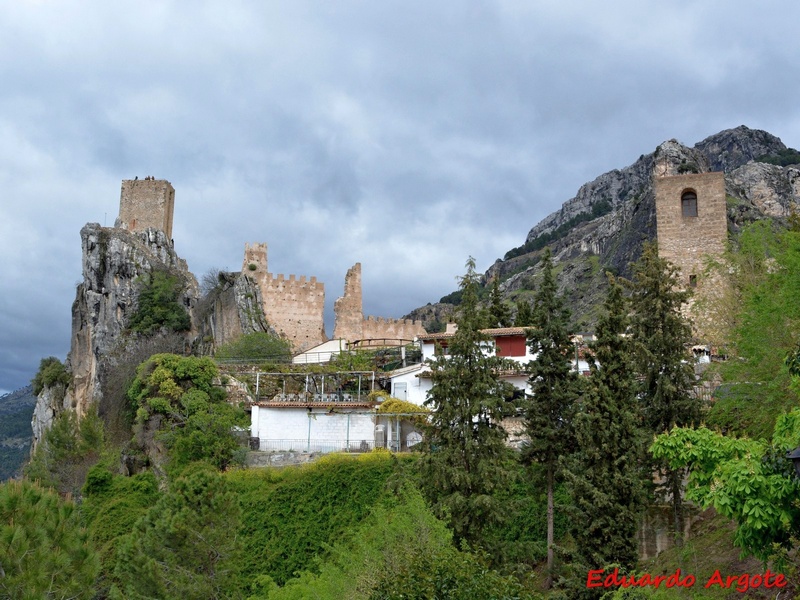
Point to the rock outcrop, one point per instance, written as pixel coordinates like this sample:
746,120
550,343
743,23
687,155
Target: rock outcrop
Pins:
229,310
115,262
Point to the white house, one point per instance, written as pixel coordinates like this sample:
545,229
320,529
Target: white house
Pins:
413,383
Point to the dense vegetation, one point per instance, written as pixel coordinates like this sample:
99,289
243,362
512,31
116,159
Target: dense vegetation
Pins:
257,346
159,305
783,158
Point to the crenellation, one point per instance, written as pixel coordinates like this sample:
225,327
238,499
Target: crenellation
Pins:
293,307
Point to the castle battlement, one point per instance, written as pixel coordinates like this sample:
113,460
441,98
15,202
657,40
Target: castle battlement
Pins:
293,305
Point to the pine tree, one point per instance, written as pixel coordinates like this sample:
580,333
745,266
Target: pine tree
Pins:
524,316
661,334
44,551
466,459
499,312
605,475
185,546
554,389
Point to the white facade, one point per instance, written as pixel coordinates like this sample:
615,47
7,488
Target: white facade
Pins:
315,430
409,386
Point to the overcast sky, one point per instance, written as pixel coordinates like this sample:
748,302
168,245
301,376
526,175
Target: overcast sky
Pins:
405,135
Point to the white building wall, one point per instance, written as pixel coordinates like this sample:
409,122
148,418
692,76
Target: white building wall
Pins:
317,431
416,387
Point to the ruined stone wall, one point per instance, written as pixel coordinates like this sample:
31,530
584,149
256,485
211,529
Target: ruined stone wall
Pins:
351,325
146,203
293,307
689,241
348,309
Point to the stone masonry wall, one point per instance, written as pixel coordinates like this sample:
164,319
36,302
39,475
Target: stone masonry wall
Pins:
293,307
391,329
146,203
688,241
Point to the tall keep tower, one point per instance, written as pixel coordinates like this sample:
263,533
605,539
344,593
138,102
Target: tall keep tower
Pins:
146,203
691,222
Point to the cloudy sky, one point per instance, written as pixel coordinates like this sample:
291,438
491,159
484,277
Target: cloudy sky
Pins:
406,135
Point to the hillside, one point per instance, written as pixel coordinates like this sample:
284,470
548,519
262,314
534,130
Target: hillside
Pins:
604,226
16,410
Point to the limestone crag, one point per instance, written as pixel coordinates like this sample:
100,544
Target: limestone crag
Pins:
114,261
773,191
51,402
231,310
732,148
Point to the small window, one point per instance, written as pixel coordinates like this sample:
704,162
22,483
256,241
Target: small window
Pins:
693,281
689,204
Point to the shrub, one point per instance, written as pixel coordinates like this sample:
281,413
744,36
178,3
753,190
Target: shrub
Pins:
51,372
255,346
45,552
159,305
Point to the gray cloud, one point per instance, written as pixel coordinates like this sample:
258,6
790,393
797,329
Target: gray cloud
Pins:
405,135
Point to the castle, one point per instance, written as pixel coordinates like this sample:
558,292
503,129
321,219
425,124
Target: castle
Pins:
293,306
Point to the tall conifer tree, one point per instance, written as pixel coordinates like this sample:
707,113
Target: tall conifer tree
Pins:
554,389
661,334
524,316
499,312
466,458
605,475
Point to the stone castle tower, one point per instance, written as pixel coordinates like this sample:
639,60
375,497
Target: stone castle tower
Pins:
146,203
691,223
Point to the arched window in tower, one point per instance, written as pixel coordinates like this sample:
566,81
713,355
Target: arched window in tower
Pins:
689,203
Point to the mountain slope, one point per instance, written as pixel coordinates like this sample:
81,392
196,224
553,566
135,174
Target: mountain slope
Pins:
604,226
16,434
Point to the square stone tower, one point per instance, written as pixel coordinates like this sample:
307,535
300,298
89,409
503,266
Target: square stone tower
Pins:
146,203
691,222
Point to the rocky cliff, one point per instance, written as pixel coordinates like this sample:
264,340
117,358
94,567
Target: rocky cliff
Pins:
230,309
604,226
115,262
105,351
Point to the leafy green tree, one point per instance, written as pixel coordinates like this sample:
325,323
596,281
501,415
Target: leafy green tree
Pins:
51,372
747,480
499,314
660,335
197,421
185,546
465,461
44,551
159,305
554,389
605,476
